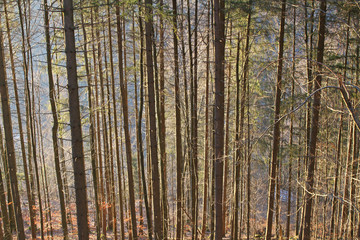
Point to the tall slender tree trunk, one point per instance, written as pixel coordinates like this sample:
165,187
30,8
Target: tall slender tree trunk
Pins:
112,75
55,124
309,71
107,197
238,133
139,125
136,99
315,123
226,147
219,15
162,124
245,93
206,147
193,121
99,165
288,217
179,158
346,192
92,133
276,133
75,123
124,101
10,149
158,222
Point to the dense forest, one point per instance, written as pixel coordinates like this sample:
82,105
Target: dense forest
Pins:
182,119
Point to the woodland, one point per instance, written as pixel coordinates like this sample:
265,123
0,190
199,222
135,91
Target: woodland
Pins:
181,119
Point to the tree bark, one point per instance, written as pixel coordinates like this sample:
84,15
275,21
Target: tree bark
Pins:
124,102
55,124
158,223
288,217
315,123
276,133
139,125
179,158
92,132
75,123
219,16
206,147
10,149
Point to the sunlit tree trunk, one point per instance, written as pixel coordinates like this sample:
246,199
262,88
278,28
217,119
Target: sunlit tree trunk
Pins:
227,137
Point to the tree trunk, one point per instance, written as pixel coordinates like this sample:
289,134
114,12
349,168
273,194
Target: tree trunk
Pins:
75,123
227,123
219,15
99,165
276,133
238,133
315,123
92,132
206,147
111,157
10,149
288,217
346,193
179,158
162,124
55,124
141,219
139,125
124,102
246,92
152,118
